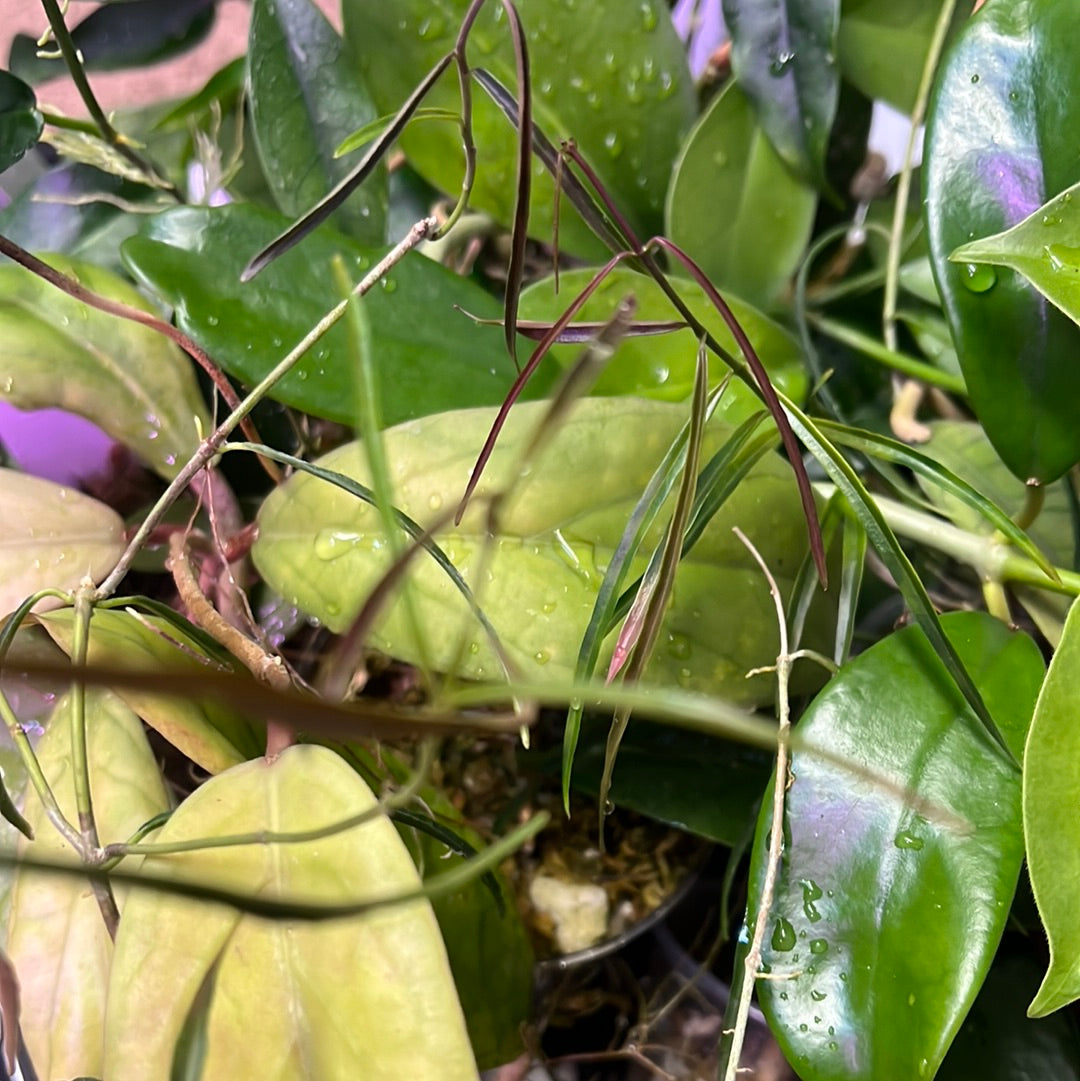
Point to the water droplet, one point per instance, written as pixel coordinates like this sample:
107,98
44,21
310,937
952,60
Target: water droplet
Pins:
978,277
212,320
804,1027
832,1045
1051,219
275,341
302,375
667,85
783,936
924,1067
1014,95
975,77
818,996
610,62
811,892
781,62
783,996
648,16
819,946
434,501
548,607
541,656
8,385
431,27
474,648
634,94
679,646
911,999
546,88
720,159
684,678
331,544
609,807
389,285
907,839
843,977
593,100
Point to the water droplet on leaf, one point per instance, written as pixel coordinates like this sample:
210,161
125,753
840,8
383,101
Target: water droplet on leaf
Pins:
907,839
783,936
978,277
819,946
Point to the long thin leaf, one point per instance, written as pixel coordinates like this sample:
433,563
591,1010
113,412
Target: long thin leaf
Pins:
326,206
879,446
665,577
892,555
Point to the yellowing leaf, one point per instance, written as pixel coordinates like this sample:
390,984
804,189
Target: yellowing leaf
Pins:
369,997
325,551
211,734
51,536
56,935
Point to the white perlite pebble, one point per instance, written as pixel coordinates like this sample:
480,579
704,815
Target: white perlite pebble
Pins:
579,911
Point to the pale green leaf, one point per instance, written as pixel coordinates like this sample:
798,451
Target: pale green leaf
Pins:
57,939
367,997
52,537
538,579
1051,825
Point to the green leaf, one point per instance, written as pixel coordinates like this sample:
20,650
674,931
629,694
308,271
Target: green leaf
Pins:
663,366
56,936
122,35
126,378
882,45
52,537
662,771
1044,247
999,143
612,77
783,55
210,734
394,1015
20,121
889,906
224,89
734,207
1051,782
325,552
306,97
429,356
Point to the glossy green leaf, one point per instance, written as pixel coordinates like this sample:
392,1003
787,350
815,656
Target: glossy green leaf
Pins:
393,1013
223,89
997,1042
882,45
126,378
55,935
783,55
998,145
52,537
612,77
306,97
662,772
734,207
889,907
324,551
117,36
663,366
211,734
429,356
20,121
1044,247
1051,781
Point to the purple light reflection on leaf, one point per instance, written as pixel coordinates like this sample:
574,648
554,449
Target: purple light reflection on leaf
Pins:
53,444
701,24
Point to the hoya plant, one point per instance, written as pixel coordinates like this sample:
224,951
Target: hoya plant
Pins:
526,416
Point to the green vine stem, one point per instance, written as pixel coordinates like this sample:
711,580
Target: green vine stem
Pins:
75,67
210,447
990,558
80,759
387,803
903,185
18,735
